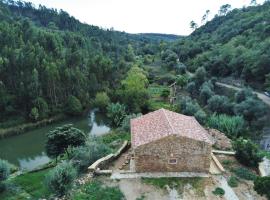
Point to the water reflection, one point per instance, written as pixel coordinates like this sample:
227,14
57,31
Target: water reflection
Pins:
27,150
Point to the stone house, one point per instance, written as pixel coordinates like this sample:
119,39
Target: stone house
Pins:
165,141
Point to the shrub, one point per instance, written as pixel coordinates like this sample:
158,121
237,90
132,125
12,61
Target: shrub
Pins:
220,104
34,115
233,182
61,178
242,95
125,125
244,173
231,126
206,92
165,93
188,106
200,116
116,112
200,76
182,80
102,100
219,191
247,152
262,185
4,173
95,191
84,156
191,88
74,106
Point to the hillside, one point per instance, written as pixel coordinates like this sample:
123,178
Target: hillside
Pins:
235,44
48,57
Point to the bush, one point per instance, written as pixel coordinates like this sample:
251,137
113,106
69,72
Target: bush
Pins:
242,95
206,92
125,125
233,182
116,112
262,185
74,106
60,179
34,115
188,106
4,173
191,88
200,116
95,191
42,107
247,152
102,101
220,104
244,174
165,93
231,126
84,156
219,191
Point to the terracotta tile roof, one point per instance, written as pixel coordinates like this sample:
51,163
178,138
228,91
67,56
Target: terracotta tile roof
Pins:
161,123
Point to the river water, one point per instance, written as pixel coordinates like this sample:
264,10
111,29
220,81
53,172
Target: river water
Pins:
27,151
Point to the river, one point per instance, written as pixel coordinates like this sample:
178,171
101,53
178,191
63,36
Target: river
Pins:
27,150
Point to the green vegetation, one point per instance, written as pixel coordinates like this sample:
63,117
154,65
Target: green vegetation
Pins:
219,191
247,152
102,101
96,191
244,173
83,156
60,139
4,173
233,182
232,126
32,184
59,180
177,183
125,125
261,185
116,112
74,106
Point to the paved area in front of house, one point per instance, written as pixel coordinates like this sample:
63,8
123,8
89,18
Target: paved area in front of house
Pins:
130,175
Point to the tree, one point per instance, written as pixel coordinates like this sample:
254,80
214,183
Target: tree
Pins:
42,107
247,152
220,104
102,100
251,109
191,88
74,106
116,112
130,56
224,9
134,92
201,116
243,94
4,173
60,179
60,139
125,125
206,92
193,25
262,185
253,3
200,76
182,80
205,16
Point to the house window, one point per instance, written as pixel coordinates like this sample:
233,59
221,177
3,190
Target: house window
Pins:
172,161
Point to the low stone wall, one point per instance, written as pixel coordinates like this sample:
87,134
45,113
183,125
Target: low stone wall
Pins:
109,158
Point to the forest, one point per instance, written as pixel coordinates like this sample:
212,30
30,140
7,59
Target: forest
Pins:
52,66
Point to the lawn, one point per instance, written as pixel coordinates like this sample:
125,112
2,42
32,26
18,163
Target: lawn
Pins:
27,186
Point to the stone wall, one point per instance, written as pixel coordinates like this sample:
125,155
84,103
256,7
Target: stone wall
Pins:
191,155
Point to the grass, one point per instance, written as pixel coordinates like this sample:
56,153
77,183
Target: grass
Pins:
96,191
177,183
32,183
155,91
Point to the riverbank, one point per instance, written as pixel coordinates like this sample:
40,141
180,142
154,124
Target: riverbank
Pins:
20,129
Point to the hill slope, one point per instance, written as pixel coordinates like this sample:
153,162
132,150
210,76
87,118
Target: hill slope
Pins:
233,45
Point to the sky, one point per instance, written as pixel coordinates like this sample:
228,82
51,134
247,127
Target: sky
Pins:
142,16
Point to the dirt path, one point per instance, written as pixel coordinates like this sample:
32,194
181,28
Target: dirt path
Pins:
229,193
261,96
